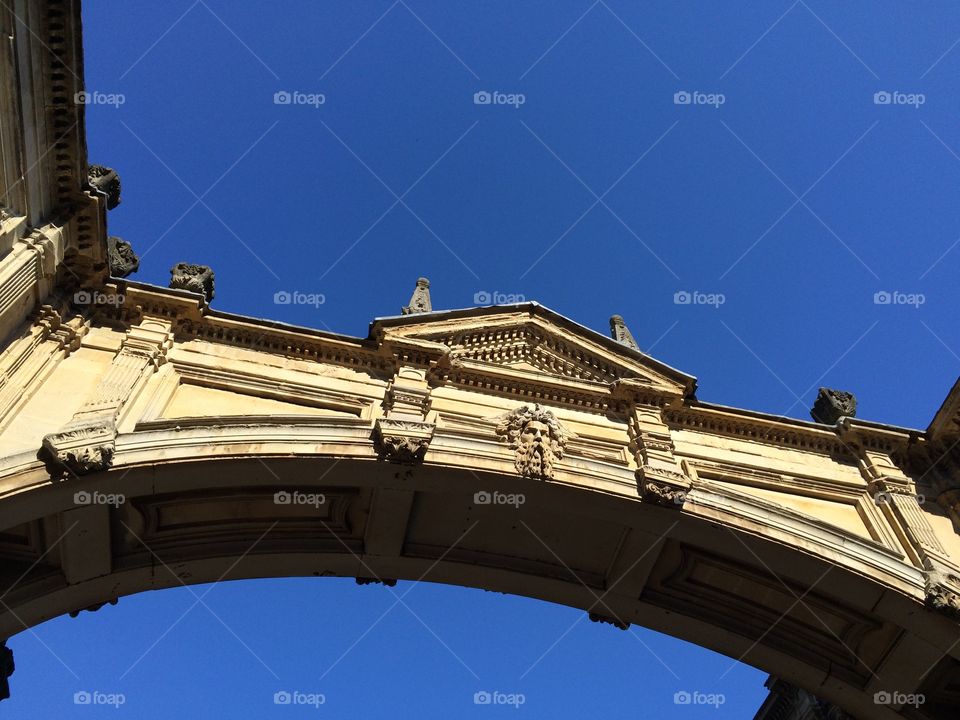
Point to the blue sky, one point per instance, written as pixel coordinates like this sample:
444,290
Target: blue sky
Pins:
816,165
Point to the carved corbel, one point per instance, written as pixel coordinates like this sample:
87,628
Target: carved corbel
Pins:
943,592
82,449
402,441
663,487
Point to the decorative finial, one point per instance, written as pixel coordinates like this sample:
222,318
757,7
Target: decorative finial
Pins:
831,405
195,278
621,333
420,301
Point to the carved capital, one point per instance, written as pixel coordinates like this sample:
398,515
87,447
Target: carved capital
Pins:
402,441
537,437
83,449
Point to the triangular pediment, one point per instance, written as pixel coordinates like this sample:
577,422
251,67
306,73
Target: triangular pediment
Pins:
532,342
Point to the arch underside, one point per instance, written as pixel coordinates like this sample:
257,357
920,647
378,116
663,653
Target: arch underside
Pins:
743,589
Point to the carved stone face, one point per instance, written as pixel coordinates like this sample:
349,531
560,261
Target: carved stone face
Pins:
534,448
538,438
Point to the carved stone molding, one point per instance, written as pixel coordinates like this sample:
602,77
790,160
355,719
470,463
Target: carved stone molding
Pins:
402,441
83,449
406,398
538,438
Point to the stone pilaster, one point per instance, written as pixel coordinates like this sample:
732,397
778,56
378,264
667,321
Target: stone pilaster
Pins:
403,434
29,359
86,443
895,493
660,478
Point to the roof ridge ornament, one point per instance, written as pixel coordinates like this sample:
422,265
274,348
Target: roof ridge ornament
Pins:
193,278
420,300
831,405
621,333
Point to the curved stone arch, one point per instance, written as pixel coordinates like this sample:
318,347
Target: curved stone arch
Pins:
706,569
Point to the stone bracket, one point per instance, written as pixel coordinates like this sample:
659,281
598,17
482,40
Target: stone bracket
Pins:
402,441
663,487
943,592
82,449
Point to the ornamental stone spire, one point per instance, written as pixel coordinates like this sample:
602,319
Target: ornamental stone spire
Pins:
621,333
420,301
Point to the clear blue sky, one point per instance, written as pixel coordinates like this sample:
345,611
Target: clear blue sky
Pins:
797,199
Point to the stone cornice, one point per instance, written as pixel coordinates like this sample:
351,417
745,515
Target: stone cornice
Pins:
385,350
